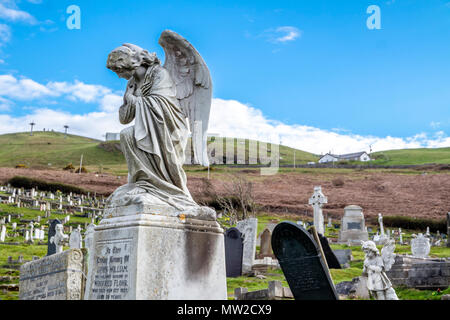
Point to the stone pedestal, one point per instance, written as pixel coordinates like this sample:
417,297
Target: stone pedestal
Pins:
353,228
156,257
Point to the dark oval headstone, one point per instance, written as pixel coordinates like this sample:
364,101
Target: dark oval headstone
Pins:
234,247
51,247
302,264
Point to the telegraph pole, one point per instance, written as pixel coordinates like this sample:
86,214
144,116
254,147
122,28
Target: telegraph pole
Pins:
66,127
31,124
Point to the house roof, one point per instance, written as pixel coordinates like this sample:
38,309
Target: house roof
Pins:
345,156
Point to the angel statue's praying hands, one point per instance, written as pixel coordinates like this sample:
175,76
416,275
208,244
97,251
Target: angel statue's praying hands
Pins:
159,98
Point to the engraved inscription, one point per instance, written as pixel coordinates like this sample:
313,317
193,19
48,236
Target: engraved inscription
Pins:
112,278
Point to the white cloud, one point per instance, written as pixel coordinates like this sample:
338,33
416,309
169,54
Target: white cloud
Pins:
5,104
234,119
282,34
5,34
93,124
27,89
14,14
290,34
229,118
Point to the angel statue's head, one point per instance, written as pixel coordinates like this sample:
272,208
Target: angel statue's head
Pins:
125,59
369,248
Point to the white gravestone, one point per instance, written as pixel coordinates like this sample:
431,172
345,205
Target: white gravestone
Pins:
3,234
248,228
317,200
420,246
75,239
353,229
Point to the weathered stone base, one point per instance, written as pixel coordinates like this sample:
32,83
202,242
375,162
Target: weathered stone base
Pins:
55,277
420,273
154,257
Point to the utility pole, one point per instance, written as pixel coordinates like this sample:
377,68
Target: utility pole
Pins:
66,127
81,164
294,158
31,124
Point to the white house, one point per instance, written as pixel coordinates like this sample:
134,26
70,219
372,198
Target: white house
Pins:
358,156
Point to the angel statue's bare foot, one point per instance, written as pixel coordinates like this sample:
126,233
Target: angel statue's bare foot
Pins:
137,190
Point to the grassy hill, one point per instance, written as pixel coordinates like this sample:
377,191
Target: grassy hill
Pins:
412,156
53,150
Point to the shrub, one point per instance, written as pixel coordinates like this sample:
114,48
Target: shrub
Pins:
69,167
29,183
415,223
337,182
83,170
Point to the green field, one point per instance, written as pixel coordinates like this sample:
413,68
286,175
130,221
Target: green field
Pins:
54,150
413,156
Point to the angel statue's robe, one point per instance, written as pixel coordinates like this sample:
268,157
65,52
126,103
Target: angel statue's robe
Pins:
154,147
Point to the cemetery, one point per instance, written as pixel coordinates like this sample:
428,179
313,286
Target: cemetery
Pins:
46,225
168,210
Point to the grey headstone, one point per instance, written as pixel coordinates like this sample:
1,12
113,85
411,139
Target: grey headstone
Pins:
302,263
344,256
233,252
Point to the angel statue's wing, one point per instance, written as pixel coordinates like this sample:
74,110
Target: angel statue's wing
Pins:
388,255
194,88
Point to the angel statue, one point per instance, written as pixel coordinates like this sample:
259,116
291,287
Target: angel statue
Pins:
158,99
375,268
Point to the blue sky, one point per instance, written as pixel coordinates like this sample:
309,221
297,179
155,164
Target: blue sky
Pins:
303,68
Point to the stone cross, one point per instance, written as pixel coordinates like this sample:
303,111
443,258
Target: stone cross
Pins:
380,221
59,238
317,200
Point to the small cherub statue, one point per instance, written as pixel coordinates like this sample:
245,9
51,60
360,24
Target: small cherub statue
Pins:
375,267
59,238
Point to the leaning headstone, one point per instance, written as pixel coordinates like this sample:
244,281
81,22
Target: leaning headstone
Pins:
317,200
302,263
233,252
248,228
51,246
332,261
353,228
420,246
55,277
